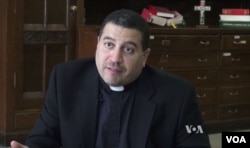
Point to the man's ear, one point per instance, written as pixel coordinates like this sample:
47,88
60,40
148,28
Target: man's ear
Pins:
146,53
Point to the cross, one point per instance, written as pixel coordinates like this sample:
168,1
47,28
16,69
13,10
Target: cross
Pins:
202,8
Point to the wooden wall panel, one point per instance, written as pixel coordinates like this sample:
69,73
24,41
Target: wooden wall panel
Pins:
32,68
33,12
25,120
3,59
87,41
56,9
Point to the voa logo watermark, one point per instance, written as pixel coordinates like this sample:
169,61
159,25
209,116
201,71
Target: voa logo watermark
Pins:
241,139
197,129
236,139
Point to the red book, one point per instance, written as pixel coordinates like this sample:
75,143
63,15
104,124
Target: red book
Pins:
235,11
146,15
149,17
160,11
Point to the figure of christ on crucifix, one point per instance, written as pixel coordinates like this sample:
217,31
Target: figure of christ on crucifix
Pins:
202,8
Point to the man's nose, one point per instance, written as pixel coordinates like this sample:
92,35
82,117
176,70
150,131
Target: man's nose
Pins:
117,55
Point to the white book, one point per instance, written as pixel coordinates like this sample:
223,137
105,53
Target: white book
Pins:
242,18
162,14
158,20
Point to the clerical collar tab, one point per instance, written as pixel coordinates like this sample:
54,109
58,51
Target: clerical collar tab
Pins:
117,88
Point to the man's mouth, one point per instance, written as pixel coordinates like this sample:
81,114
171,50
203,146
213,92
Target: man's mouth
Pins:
114,69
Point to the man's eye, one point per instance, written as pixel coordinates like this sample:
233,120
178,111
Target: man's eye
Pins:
128,50
108,45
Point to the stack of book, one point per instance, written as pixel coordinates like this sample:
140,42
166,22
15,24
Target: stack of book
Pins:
235,18
162,16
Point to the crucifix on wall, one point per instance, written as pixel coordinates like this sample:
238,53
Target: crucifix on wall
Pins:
202,8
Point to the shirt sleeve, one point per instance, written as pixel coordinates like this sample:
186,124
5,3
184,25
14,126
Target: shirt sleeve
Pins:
191,130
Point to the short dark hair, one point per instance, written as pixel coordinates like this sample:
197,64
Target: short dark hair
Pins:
128,19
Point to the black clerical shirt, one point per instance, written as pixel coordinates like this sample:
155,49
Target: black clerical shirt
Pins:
114,115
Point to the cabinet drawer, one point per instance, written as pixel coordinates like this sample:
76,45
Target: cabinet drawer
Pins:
235,59
234,111
208,112
202,77
187,42
206,96
183,60
235,95
235,76
236,42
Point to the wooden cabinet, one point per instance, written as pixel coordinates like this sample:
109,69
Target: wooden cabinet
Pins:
216,61
193,56
234,78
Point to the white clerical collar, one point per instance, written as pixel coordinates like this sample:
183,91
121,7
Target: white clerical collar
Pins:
117,88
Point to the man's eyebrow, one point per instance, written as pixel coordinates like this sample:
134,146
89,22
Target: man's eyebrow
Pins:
108,38
112,39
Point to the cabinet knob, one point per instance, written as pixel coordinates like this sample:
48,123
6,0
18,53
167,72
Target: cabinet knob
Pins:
202,78
165,42
235,59
241,42
201,96
202,60
234,76
233,93
204,42
233,110
73,8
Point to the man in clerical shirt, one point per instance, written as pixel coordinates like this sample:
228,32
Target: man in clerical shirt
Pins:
116,100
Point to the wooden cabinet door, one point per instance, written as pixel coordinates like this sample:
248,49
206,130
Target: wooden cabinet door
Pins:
44,35
49,30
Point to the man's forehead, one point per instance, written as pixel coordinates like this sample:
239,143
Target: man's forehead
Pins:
115,31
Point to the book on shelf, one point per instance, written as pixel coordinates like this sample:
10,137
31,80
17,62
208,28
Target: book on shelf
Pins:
241,18
235,11
146,15
232,24
158,20
149,17
160,11
162,21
